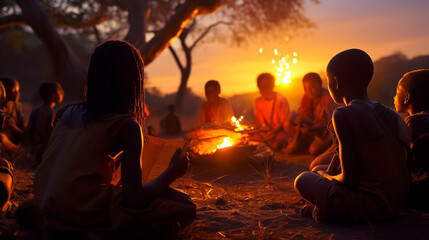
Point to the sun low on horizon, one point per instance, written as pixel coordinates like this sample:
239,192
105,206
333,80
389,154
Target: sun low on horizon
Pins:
380,28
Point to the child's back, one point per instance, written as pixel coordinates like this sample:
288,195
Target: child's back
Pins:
65,170
380,137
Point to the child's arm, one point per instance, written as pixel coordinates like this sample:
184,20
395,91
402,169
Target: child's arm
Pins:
347,151
136,195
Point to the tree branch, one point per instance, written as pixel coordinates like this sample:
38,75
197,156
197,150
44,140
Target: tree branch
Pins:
207,31
66,21
176,58
175,25
11,20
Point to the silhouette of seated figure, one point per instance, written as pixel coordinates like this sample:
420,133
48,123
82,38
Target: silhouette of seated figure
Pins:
374,141
411,98
170,124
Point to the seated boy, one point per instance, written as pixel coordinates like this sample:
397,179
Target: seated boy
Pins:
313,116
216,109
411,97
271,113
170,124
373,142
41,120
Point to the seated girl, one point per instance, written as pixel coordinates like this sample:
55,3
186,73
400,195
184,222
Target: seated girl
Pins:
74,185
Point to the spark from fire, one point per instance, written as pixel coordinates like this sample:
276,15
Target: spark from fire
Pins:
282,64
225,143
238,126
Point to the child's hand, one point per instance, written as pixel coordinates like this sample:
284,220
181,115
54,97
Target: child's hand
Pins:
179,163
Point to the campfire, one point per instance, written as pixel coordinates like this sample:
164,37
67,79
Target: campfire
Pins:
227,144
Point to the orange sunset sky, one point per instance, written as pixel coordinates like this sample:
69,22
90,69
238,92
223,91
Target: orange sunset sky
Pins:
380,27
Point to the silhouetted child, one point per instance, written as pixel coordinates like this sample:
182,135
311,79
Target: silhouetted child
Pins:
313,116
41,120
6,182
216,109
272,114
373,142
170,124
412,98
74,185
12,132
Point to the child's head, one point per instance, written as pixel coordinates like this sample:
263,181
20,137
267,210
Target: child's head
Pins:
171,108
11,87
312,85
265,82
115,82
349,74
51,92
212,90
412,92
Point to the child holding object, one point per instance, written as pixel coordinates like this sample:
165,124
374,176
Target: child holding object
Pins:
411,98
73,185
272,114
41,120
373,142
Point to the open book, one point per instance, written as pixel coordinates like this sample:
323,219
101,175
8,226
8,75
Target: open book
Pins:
157,153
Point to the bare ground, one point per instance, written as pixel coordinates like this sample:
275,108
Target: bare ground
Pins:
238,204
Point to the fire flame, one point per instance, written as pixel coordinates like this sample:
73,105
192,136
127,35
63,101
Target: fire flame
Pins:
225,143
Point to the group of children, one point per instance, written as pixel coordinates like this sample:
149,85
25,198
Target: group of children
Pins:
77,194
16,139
305,133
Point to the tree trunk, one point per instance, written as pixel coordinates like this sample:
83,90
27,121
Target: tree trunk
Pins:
137,11
68,70
185,73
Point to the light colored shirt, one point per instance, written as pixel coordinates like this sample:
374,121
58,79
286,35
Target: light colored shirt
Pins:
219,113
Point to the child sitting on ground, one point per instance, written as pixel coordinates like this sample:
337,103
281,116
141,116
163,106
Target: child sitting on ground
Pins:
272,114
373,142
216,109
41,120
313,116
170,124
74,185
6,182
411,97
13,130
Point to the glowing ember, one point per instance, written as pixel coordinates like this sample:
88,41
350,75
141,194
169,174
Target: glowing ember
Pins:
225,143
282,64
237,124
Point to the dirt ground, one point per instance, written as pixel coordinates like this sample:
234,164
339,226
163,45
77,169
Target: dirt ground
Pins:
237,203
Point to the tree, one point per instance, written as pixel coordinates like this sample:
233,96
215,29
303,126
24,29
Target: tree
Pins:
44,17
240,21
